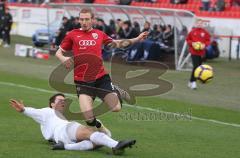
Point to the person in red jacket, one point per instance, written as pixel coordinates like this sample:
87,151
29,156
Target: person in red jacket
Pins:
197,39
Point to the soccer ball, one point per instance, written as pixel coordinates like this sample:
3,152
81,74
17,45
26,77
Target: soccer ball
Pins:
204,73
198,45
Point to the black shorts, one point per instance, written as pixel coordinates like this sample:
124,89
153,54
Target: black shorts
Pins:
99,88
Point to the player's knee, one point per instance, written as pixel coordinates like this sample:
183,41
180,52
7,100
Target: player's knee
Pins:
117,108
84,133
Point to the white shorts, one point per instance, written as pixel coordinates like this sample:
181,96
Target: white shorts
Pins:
66,133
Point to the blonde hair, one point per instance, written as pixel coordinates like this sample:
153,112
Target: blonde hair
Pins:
87,10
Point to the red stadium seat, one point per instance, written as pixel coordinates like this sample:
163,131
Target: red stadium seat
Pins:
194,5
73,1
156,5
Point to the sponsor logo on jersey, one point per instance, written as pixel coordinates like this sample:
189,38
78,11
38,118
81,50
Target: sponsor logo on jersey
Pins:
83,43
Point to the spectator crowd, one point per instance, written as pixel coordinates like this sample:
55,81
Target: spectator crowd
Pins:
161,37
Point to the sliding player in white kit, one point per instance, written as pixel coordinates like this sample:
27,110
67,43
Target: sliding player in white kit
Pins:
72,135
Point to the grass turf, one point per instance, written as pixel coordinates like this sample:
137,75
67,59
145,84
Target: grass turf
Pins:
219,100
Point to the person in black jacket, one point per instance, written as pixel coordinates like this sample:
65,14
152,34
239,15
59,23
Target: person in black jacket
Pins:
127,31
76,24
147,26
156,34
168,36
101,25
63,30
136,26
7,24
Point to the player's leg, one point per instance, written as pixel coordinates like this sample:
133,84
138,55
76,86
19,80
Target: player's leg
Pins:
99,138
124,95
112,100
4,34
196,61
78,133
83,145
103,129
74,136
86,106
1,35
86,95
106,91
8,37
118,147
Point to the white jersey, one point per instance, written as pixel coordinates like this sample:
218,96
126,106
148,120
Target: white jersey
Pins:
49,121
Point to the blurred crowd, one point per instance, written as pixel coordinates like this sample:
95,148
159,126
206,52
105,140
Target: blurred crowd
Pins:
152,1
160,35
159,42
119,29
218,5
27,1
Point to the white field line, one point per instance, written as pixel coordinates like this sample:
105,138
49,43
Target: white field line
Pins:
127,105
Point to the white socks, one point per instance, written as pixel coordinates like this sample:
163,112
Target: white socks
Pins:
100,138
83,145
97,138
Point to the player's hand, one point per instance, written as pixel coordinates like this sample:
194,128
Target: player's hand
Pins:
143,35
194,44
68,62
198,45
203,46
17,105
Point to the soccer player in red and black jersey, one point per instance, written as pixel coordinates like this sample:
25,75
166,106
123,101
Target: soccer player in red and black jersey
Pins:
197,34
90,77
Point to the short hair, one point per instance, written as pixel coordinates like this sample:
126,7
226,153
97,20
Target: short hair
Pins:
53,98
147,22
101,20
64,18
127,22
87,10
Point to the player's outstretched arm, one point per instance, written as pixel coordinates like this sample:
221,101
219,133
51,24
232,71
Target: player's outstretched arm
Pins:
17,105
127,42
64,60
37,114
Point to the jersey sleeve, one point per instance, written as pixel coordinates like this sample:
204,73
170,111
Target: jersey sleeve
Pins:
37,115
67,43
106,39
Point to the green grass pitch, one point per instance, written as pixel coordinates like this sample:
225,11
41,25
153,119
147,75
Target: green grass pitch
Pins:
212,132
